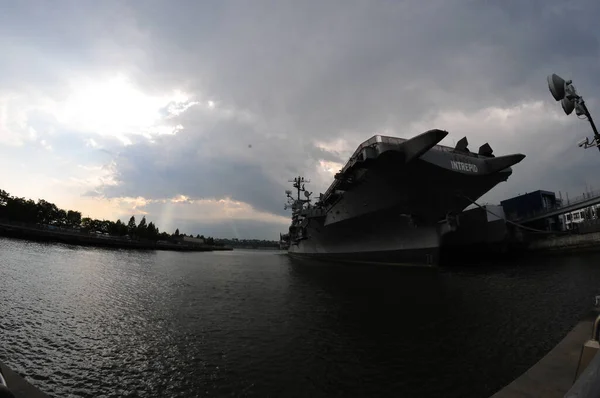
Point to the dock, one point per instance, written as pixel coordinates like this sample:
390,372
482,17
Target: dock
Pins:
553,375
20,387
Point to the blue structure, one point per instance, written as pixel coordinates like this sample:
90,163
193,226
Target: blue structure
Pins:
531,203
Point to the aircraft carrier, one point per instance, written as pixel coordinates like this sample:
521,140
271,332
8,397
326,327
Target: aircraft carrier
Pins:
393,201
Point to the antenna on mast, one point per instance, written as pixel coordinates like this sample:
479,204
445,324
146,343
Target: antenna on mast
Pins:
564,91
297,203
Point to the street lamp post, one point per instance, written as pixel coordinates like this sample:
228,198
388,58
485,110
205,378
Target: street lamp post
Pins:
563,90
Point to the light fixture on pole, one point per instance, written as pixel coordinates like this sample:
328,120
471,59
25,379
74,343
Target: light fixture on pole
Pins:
563,90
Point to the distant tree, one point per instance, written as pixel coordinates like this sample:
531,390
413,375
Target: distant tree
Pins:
86,223
4,197
114,228
198,236
122,228
111,227
96,225
19,209
47,213
131,226
73,218
61,218
43,212
29,210
152,232
142,228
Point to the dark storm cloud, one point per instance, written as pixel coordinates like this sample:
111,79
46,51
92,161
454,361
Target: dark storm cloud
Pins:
188,175
293,73
320,71
226,160
348,66
44,44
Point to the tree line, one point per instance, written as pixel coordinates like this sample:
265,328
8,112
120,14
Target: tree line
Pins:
42,212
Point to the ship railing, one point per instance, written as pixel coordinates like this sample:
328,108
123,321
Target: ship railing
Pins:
376,139
379,139
397,141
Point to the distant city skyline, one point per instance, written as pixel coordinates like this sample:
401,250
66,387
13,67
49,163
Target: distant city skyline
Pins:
196,114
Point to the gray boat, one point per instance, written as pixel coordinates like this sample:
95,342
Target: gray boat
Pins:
393,201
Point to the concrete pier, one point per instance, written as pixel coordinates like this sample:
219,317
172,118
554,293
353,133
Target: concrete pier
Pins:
554,374
20,387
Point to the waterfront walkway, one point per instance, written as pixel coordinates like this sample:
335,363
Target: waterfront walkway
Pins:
19,386
553,375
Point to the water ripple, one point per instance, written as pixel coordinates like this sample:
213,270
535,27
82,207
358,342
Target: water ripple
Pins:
88,322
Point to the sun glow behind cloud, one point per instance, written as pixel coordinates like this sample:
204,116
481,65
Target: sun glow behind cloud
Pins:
209,211
339,145
115,107
330,167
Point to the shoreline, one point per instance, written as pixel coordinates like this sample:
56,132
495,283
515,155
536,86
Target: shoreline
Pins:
81,239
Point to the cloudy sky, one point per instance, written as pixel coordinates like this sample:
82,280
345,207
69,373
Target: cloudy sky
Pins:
197,113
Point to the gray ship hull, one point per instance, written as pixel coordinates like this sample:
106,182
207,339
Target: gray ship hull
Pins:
394,201
378,238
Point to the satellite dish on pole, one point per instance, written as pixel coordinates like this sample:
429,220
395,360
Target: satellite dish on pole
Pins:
567,105
563,90
556,84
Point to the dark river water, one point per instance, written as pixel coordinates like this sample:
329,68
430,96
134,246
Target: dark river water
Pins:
89,322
